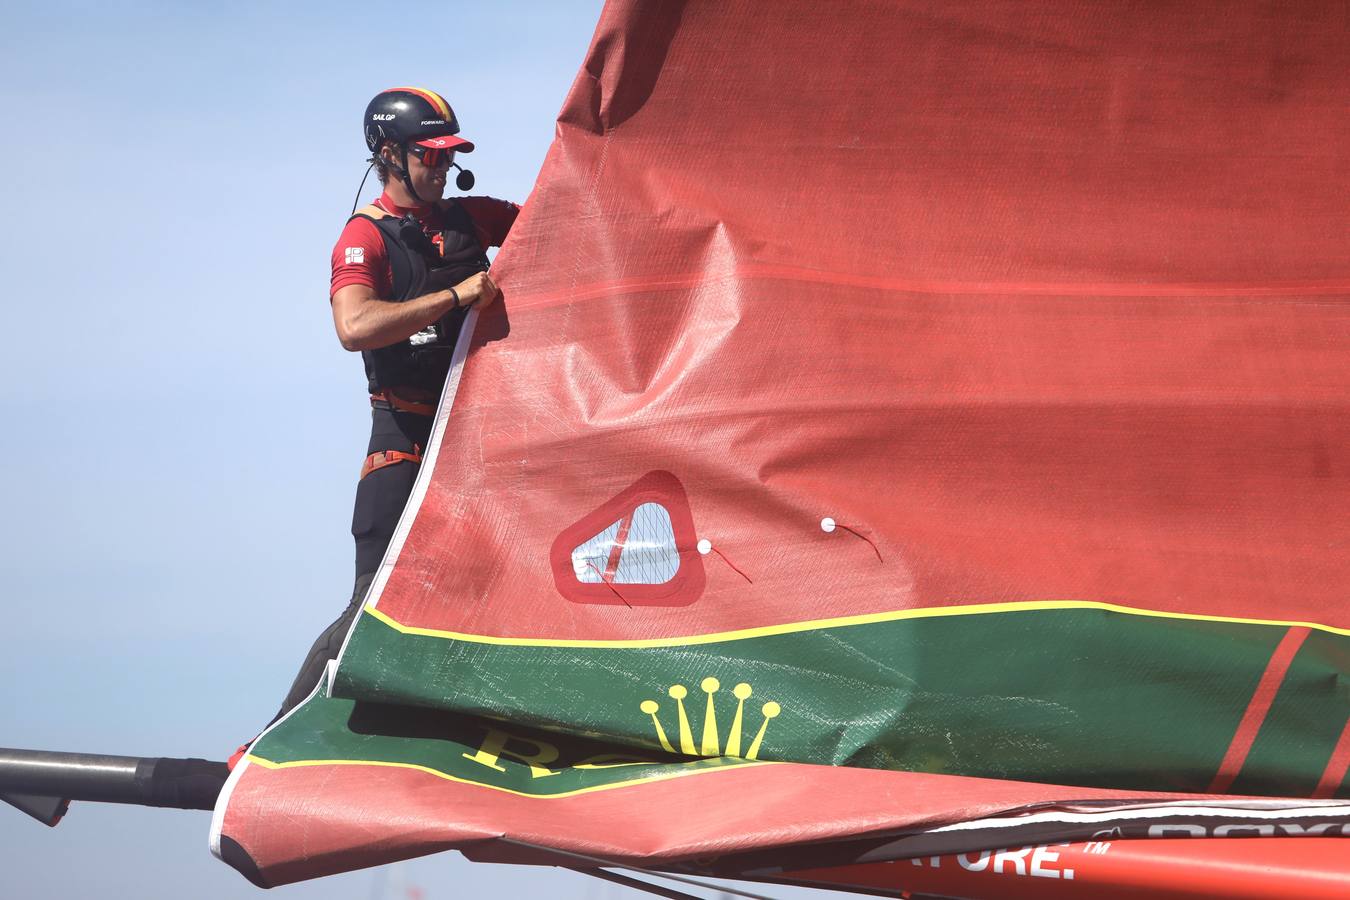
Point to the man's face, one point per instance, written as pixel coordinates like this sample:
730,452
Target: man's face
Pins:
429,180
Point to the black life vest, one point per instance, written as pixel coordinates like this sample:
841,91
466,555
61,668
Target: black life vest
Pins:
420,267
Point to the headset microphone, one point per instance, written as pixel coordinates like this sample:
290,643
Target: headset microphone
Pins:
464,180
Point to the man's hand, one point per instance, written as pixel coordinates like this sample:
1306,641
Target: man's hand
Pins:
365,322
477,288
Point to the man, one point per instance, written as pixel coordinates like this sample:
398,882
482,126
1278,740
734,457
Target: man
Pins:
405,271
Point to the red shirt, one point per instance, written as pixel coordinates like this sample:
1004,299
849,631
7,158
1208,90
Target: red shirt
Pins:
359,256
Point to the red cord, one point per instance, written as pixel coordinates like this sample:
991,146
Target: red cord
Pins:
870,542
732,564
605,581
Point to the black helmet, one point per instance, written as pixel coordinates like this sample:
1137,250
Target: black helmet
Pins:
407,115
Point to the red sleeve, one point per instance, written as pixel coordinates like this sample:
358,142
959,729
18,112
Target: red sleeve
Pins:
492,218
359,258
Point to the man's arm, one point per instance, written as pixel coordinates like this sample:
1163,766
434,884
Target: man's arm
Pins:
365,322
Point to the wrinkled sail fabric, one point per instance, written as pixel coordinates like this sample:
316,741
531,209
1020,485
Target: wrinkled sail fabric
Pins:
902,415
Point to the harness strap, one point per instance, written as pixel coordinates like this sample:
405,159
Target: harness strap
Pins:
403,404
370,211
382,458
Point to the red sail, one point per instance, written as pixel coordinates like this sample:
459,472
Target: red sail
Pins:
903,418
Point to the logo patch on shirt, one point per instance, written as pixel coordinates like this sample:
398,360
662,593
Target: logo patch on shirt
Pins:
356,255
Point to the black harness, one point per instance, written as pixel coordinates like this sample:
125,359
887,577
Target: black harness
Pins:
420,267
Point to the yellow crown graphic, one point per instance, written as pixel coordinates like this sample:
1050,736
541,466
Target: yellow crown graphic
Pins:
710,745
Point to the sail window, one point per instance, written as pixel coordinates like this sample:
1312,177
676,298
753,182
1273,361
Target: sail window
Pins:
638,548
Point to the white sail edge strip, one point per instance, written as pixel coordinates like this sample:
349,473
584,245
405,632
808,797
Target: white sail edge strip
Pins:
1294,809
424,474
1128,821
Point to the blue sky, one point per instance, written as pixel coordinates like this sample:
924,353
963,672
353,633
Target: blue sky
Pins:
184,430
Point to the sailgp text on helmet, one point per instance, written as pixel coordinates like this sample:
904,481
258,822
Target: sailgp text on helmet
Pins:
408,116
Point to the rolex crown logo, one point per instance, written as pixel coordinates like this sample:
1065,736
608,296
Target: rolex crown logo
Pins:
710,745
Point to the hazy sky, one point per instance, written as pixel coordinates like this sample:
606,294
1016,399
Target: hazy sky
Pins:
184,432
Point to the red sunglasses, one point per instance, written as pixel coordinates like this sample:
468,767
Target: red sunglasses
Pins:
431,157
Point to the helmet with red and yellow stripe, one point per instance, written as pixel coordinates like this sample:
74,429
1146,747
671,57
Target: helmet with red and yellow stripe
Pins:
409,115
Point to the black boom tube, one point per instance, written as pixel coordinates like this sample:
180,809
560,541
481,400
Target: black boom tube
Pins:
143,781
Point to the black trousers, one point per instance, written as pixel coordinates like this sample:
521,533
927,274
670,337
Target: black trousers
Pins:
380,498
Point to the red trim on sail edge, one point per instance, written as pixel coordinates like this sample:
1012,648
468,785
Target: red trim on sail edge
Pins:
1258,708
1334,773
